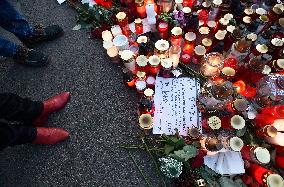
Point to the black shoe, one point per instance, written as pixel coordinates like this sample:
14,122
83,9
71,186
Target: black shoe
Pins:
30,57
42,34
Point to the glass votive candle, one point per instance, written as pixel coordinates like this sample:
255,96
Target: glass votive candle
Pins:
116,30
179,4
128,59
212,26
141,75
122,19
204,31
199,52
107,36
211,64
166,67
165,6
142,61
162,49
140,8
138,26
151,80
189,42
146,121
235,143
142,39
107,44
174,54
154,62
207,43
185,58
113,54
203,16
163,28
259,155
121,42
176,36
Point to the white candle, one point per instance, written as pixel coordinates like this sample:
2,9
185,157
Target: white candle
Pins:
128,58
151,14
116,30
113,54
107,36
174,54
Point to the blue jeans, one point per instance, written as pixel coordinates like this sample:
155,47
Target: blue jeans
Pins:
12,21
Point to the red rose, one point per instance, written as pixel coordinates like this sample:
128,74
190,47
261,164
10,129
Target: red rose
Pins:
96,33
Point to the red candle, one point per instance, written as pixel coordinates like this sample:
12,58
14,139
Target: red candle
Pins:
122,19
203,16
258,173
163,29
188,3
230,67
138,26
189,42
240,86
140,8
256,154
185,58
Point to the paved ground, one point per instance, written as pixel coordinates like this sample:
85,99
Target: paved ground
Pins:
100,117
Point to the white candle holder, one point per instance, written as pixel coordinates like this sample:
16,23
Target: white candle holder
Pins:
121,41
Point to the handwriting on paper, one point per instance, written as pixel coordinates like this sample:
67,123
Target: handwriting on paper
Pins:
175,105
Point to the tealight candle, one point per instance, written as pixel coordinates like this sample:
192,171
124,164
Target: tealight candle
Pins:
138,26
128,58
176,36
140,8
121,42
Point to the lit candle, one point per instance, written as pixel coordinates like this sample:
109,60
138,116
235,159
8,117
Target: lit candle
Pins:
154,62
140,8
141,61
113,54
121,42
163,28
128,58
166,67
176,36
138,26
259,155
174,54
230,67
165,6
199,52
211,64
188,3
189,42
203,16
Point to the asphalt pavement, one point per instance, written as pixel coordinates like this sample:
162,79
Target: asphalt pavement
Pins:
101,115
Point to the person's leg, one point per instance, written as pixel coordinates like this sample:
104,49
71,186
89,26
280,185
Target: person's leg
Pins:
15,108
13,21
11,135
15,135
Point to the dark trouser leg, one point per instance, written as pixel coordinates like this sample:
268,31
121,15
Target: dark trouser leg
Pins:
11,135
7,48
13,21
15,108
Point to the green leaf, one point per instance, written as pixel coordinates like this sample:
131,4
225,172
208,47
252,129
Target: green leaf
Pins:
76,27
168,149
180,144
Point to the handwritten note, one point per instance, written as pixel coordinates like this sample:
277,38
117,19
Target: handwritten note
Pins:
175,105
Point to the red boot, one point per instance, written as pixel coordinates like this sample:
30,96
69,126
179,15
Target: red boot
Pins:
50,136
50,105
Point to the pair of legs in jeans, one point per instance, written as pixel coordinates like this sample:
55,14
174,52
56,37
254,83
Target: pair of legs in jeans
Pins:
20,118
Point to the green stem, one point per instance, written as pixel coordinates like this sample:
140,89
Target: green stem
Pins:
155,162
140,170
143,148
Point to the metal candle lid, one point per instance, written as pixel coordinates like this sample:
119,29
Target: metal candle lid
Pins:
190,36
107,44
204,30
249,11
260,11
141,39
200,50
262,48
176,31
178,1
186,10
220,34
247,19
141,60
126,55
214,122
154,60
231,28
238,122
120,15
107,36
162,45
240,105
146,121
262,155
224,21
228,16
280,63
151,80
120,40
211,24
149,92
141,74
275,180
277,42
236,144
252,36
206,42
140,85
217,2
137,21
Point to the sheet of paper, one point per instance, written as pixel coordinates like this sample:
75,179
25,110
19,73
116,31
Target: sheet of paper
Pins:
175,105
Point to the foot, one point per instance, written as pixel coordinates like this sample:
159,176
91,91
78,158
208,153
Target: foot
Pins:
30,57
51,105
42,34
50,136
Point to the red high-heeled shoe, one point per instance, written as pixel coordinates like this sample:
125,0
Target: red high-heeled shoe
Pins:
50,136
